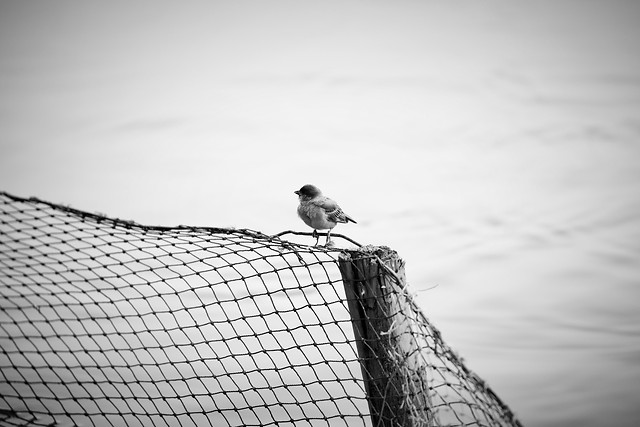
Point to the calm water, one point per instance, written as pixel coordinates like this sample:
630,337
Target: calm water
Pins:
493,146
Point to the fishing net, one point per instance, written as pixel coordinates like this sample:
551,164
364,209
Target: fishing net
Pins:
108,322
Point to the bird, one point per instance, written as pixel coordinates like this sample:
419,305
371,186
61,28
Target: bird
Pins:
319,212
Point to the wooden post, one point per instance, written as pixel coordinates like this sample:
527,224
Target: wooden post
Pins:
389,344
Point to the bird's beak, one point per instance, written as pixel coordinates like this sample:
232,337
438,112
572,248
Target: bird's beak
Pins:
297,192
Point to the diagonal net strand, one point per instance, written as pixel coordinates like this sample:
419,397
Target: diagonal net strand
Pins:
108,322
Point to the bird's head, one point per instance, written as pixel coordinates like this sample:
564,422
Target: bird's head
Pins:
308,192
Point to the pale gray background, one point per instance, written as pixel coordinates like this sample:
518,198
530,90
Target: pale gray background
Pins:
495,145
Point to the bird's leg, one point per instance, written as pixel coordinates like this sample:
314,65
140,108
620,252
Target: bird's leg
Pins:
328,242
316,235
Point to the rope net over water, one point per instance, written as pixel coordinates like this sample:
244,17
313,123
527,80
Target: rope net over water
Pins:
107,322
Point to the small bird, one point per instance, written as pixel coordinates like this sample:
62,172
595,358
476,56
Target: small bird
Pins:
319,212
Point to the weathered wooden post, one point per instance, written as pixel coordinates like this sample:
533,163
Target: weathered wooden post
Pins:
389,346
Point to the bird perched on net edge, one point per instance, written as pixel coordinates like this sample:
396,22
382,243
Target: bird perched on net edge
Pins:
319,212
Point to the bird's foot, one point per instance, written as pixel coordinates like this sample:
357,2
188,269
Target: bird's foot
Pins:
316,235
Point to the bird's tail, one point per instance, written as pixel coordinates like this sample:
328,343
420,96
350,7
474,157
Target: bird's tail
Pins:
349,219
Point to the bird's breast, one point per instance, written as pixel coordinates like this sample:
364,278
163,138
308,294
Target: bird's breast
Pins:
314,216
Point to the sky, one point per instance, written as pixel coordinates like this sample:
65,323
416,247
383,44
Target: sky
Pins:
165,104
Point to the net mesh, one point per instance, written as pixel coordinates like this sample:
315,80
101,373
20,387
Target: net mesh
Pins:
108,322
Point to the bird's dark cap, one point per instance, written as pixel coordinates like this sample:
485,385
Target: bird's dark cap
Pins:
308,190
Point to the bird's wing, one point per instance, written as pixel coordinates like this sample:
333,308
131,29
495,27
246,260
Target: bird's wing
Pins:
331,208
